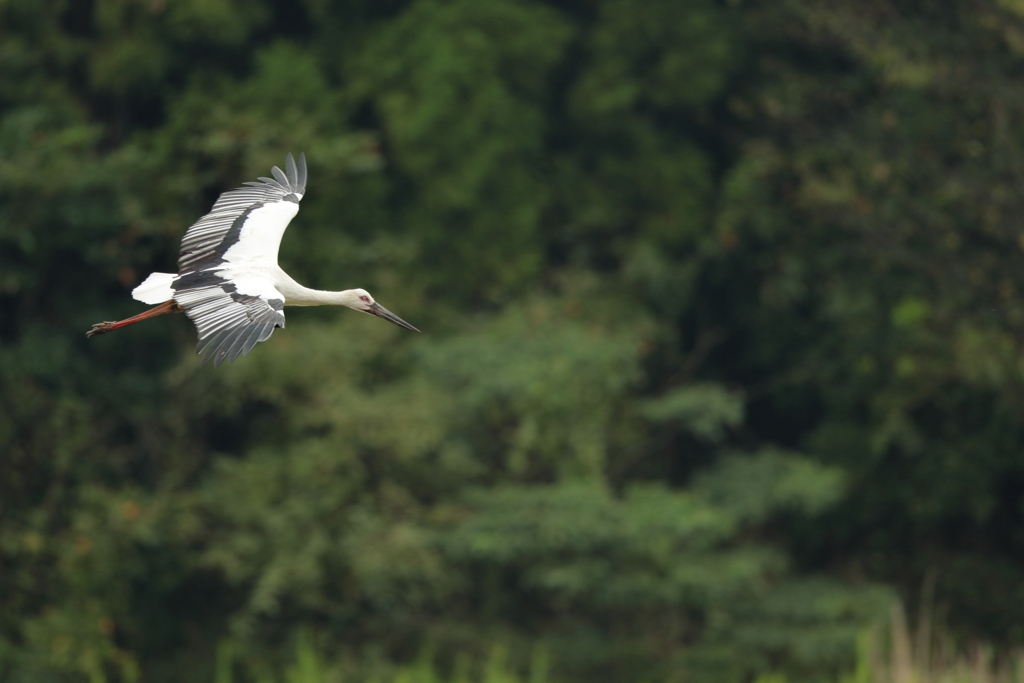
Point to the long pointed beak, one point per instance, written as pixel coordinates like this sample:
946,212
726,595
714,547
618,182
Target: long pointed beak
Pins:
381,312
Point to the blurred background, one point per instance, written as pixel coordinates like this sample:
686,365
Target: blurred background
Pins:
721,376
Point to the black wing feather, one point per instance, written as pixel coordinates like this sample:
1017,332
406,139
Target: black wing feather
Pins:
291,171
302,174
281,178
228,322
254,337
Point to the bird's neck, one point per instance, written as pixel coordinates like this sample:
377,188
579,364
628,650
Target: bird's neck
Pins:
304,296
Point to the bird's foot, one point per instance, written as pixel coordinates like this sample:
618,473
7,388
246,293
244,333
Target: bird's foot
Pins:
100,328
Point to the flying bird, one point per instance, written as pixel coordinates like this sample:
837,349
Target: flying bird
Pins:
228,280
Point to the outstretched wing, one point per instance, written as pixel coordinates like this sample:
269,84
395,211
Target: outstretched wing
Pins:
241,234
229,322
246,224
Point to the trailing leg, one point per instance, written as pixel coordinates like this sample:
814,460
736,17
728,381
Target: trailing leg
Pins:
104,327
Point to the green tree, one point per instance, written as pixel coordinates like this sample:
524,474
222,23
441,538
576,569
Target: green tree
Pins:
721,318
873,216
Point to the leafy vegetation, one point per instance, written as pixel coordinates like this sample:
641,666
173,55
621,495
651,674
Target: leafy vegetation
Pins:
722,322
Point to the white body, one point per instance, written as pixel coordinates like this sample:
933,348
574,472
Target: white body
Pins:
255,280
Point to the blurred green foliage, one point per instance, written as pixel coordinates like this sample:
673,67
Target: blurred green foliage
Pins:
722,316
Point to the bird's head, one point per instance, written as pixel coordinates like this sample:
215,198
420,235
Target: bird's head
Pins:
365,303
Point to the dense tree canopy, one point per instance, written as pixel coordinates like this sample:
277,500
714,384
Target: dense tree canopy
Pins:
722,311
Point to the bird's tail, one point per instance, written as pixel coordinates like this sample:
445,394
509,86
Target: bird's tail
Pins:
155,289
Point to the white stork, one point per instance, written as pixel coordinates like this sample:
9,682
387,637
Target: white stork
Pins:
228,280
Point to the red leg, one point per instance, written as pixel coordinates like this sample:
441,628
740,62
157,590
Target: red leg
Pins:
103,328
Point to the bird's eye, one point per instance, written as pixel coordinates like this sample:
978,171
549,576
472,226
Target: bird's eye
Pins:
365,298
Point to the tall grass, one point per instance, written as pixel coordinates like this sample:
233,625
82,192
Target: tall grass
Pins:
932,655
894,653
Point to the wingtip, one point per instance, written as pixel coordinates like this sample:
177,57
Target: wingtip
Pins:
281,178
292,172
